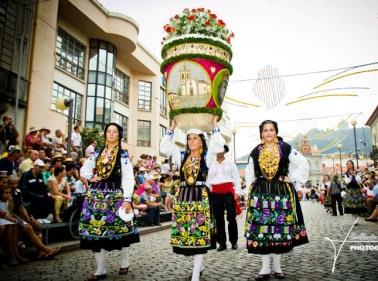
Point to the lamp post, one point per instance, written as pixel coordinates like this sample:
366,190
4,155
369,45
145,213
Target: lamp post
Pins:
63,104
354,123
339,146
364,143
234,133
333,163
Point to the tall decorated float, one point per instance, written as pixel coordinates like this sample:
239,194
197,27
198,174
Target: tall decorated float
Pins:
196,65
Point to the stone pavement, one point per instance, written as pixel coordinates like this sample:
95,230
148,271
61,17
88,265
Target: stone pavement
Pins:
152,259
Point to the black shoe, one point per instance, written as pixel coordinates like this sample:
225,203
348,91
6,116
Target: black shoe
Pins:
123,270
234,246
221,248
279,275
262,277
97,277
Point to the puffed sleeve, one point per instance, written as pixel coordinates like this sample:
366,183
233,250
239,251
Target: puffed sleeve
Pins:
86,171
216,145
168,148
249,174
128,181
298,167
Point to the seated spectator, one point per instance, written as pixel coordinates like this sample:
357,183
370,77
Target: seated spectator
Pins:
27,224
140,179
374,215
10,163
371,199
57,161
165,168
35,191
90,150
32,139
74,156
165,185
46,170
42,154
46,141
153,181
9,225
60,191
57,142
28,163
153,207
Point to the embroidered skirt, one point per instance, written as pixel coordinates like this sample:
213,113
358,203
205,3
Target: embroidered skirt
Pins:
100,226
192,225
354,202
274,222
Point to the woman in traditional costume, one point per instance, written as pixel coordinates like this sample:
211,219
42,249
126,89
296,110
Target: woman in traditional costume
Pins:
354,202
192,220
274,223
107,200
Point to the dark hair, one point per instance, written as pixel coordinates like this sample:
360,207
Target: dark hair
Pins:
261,126
120,131
226,149
327,176
166,161
76,127
58,170
202,137
70,166
350,161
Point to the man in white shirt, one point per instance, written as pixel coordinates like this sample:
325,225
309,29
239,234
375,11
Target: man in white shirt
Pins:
90,151
76,140
165,169
224,181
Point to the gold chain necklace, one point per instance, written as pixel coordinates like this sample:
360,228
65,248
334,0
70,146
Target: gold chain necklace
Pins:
269,161
191,169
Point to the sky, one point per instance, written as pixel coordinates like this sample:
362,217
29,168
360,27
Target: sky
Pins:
293,37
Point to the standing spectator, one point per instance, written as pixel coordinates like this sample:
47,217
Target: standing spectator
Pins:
90,151
32,139
8,134
76,140
165,169
10,163
335,192
28,164
35,191
60,191
57,141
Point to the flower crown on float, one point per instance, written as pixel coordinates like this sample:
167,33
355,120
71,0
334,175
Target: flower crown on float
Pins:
196,64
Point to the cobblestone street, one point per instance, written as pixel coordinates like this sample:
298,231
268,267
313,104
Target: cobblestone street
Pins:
152,259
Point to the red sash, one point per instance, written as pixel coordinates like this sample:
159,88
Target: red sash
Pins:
227,187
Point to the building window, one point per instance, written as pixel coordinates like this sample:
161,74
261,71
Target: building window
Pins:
144,133
102,56
70,54
163,131
163,102
121,87
60,91
144,99
123,122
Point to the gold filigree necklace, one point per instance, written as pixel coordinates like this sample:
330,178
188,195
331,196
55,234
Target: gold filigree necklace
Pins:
269,160
106,162
191,169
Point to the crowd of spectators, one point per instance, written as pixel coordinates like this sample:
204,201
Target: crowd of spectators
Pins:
39,183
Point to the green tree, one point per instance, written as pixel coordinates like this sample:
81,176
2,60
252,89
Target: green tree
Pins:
89,134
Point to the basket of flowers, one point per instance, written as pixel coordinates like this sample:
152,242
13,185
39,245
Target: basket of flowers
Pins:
196,52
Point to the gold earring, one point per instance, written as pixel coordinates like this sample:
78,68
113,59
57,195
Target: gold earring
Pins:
201,150
262,141
276,140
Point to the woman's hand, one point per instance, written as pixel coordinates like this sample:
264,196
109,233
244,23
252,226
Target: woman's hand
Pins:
127,207
96,178
173,125
215,121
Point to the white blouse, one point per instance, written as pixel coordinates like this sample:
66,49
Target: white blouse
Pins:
216,145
